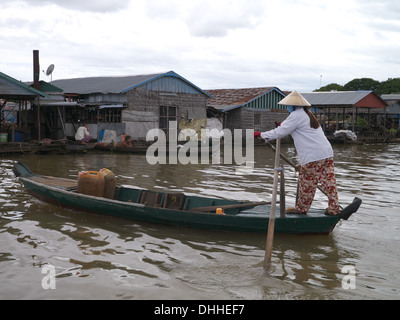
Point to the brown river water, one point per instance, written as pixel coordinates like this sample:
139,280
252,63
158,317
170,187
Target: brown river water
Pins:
98,257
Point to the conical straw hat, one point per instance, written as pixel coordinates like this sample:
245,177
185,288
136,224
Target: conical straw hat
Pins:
295,99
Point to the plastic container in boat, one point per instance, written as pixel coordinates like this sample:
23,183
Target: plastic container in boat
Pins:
91,183
109,183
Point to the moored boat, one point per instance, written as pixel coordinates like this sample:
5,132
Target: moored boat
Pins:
178,209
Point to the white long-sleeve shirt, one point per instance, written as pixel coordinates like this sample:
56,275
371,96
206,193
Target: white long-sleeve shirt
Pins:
311,144
81,133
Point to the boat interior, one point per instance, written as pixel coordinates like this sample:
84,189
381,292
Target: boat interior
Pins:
158,199
173,200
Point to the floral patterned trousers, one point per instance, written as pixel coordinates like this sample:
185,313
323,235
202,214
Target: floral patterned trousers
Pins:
322,172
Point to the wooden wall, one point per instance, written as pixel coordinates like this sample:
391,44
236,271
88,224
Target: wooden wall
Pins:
143,110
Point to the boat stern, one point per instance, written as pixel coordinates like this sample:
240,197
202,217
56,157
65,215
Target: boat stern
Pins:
350,209
20,170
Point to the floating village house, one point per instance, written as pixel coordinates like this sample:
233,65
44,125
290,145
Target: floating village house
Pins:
251,108
52,111
18,99
393,110
135,104
359,111
131,105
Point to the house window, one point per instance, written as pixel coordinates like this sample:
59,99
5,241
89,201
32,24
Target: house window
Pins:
167,114
85,115
110,115
257,120
93,115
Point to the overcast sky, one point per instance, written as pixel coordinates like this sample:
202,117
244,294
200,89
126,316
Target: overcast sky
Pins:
212,43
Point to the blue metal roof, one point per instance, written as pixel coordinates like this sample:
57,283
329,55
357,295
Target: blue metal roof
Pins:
167,82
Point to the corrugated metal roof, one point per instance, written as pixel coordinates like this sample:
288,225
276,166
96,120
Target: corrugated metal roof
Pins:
235,97
123,84
103,85
112,106
45,103
12,88
391,97
335,98
229,99
45,87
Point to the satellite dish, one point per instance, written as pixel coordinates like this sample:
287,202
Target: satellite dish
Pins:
50,70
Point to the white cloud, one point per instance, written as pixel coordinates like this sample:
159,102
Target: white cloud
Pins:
208,18
82,5
217,18
215,44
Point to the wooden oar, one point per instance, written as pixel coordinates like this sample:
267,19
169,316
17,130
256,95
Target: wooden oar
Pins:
230,206
271,223
281,155
293,165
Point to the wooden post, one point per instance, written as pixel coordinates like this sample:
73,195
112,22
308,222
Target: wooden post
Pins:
37,118
62,123
12,132
19,115
271,223
282,196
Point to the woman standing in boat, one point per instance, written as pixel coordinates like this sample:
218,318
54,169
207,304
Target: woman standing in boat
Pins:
314,151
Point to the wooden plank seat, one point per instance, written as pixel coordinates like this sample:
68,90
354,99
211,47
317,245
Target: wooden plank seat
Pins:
150,199
174,201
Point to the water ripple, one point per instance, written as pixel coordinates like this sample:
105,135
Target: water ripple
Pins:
109,258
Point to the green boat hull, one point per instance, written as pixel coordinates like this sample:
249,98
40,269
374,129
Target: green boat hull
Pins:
254,219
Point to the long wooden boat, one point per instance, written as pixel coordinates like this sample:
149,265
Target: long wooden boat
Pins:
142,148
178,209
112,148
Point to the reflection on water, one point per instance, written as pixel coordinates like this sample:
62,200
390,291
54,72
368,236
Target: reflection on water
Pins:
110,258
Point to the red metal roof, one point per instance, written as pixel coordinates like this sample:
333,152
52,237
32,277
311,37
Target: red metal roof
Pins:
365,99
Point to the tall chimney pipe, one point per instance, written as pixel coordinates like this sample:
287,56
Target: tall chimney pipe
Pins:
36,71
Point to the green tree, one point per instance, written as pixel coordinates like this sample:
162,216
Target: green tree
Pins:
330,87
367,84
391,85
